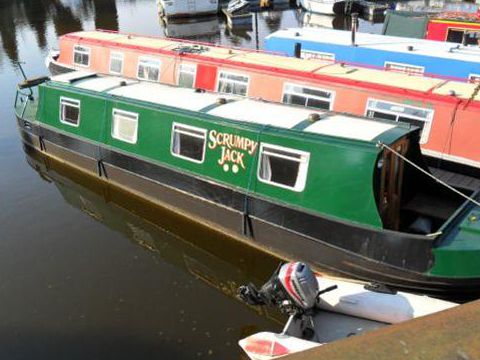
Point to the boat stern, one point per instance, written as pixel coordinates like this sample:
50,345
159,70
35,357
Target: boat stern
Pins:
457,252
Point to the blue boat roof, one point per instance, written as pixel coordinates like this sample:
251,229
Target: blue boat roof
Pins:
397,44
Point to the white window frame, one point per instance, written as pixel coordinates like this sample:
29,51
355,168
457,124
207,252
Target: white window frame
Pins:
428,122
126,114
331,100
317,55
119,55
148,58
87,51
234,73
194,128
302,169
194,72
61,112
417,70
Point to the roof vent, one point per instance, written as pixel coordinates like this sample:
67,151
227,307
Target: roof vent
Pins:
221,101
313,117
410,48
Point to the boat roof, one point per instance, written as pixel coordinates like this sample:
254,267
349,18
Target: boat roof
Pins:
236,108
256,59
458,16
398,44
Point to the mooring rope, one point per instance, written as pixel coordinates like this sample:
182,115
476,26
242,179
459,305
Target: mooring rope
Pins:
441,182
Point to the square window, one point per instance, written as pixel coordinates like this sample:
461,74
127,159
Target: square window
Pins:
188,142
186,75
230,83
283,167
149,69
70,111
116,63
81,56
125,126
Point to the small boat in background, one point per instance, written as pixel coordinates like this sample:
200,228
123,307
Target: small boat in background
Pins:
331,7
187,8
322,310
460,27
205,28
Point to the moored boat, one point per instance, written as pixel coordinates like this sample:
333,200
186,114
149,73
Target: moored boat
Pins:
461,27
187,8
417,57
446,110
331,189
331,7
323,310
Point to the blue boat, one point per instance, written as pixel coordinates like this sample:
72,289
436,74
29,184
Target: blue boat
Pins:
393,53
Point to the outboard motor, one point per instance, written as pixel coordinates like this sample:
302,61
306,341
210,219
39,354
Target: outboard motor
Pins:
293,288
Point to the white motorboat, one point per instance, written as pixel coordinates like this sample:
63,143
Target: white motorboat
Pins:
331,7
187,8
316,317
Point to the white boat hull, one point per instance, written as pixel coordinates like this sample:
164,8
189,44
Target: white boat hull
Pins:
352,299
348,310
187,8
319,6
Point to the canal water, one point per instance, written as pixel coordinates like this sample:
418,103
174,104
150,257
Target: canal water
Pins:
88,272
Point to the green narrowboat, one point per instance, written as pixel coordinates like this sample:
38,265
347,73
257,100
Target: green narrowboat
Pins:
327,188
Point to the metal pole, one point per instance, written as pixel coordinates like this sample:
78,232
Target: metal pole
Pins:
354,27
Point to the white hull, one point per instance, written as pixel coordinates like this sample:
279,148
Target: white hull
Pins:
352,299
200,27
187,8
348,310
319,6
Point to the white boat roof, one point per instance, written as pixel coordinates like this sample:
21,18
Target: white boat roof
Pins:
182,98
383,42
236,108
253,111
349,127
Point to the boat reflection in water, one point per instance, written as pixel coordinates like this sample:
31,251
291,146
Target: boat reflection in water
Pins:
206,254
205,28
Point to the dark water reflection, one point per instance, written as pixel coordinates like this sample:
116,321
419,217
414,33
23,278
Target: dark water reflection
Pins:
91,273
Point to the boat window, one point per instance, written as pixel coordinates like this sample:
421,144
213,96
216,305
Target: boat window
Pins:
70,111
186,75
317,55
420,117
230,83
149,69
455,35
307,96
404,68
81,55
116,63
188,142
283,167
125,126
